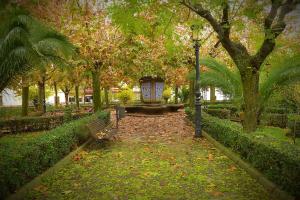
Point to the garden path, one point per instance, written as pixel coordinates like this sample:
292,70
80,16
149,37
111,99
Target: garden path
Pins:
153,157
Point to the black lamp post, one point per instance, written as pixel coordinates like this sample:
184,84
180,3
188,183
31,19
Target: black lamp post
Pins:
196,40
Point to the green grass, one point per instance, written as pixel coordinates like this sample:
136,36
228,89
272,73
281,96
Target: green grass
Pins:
277,133
150,170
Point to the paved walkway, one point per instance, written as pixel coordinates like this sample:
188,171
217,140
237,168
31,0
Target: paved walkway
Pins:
153,157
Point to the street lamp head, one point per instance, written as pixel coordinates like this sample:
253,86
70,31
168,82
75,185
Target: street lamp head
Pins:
196,28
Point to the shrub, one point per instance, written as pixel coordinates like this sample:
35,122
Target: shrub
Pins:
208,102
276,110
233,109
67,114
167,94
294,123
40,153
272,119
190,113
125,96
12,111
278,160
221,113
24,124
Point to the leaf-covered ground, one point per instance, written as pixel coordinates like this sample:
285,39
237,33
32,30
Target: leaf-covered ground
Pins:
154,157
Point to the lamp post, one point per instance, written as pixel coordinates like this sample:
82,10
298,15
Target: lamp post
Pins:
196,40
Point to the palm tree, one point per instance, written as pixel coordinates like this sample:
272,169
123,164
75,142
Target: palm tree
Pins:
229,81
26,43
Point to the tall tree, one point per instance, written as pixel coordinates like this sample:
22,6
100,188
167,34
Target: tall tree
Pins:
247,63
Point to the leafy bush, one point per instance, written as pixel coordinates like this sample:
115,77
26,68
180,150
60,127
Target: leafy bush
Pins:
103,116
272,119
184,94
67,114
125,96
167,94
190,113
294,123
24,124
208,102
276,110
40,153
221,113
278,160
13,111
233,109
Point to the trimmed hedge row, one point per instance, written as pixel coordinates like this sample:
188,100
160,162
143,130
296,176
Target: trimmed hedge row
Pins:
12,111
233,109
24,124
221,113
208,102
294,123
275,119
277,110
278,160
41,153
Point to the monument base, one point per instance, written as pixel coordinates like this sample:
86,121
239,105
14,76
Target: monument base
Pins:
153,108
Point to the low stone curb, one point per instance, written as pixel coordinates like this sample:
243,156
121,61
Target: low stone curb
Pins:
274,191
37,180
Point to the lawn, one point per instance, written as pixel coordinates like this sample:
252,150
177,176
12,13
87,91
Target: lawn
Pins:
277,133
167,164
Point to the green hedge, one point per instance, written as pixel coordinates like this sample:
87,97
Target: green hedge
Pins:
278,160
12,111
23,124
40,153
277,110
206,102
294,123
275,119
221,113
233,109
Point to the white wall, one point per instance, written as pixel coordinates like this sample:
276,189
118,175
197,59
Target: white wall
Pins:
10,98
219,94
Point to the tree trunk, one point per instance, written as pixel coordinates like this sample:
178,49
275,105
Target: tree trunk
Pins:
250,81
106,97
96,90
77,96
176,94
25,97
213,97
56,100
66,98
1,99
192,93
84,95
41,89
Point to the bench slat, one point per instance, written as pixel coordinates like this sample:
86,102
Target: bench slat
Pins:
98,126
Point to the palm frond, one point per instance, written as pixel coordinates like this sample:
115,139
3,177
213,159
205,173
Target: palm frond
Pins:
25,42
284,73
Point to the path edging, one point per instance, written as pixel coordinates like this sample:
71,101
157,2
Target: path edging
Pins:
274,190
19,194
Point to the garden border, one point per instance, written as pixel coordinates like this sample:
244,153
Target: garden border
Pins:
274,190
19,194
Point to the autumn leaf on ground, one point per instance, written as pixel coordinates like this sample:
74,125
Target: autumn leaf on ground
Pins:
231,168
216,193
41,188
210,157
77,157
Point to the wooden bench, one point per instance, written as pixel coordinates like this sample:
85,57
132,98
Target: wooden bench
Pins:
100,130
